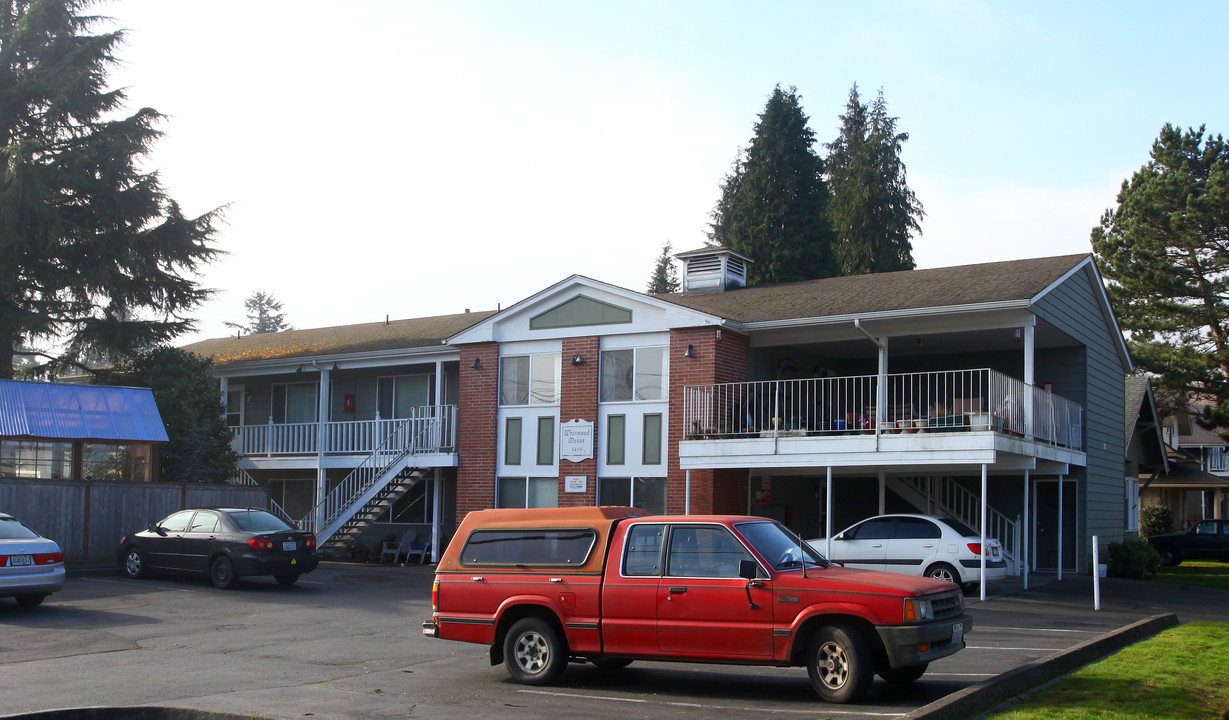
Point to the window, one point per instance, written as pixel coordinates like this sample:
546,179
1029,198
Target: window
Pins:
115,462
178,522
399,395
542,548
529,380
616,439
1216,460
295,403
415,506
512,441
641,492
704,551
546,440
33,459
916,529
652,439
643,554
258,521
205,522
873,529
234,405
634,374
527,492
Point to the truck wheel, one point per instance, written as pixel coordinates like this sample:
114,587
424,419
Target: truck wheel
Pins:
943,571
533,652
840,664
1170,556
905,675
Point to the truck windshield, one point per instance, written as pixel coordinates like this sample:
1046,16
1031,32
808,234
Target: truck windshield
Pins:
779,546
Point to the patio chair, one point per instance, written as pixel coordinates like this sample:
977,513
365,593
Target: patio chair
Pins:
397,550
421,550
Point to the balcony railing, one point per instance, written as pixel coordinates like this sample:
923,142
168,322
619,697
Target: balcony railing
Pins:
931,402
431,426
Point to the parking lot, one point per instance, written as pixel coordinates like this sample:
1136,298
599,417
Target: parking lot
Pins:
346,642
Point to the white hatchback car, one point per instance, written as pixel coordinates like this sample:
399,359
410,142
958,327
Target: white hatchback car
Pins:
929,545
31,566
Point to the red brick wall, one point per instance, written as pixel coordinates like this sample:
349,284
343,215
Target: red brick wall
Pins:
714,361
579,402
477,428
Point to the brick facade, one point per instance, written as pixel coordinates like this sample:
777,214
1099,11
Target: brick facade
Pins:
477,428
579,385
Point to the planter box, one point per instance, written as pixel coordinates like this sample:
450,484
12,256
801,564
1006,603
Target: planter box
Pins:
947,423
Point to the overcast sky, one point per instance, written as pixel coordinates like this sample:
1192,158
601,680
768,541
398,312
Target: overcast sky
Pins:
402,158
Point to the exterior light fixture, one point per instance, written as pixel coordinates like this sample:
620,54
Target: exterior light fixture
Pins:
577,359
477,364
690,352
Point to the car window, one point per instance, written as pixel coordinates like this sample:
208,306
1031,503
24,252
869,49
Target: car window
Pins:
916,529
1207,527
873,529
177,522
205,522
643,555
258,521
961,529
704,551
13,529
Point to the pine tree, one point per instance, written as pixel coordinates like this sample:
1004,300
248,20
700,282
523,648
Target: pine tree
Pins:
873,211
264,315
723,214
93,254
665,278
778,214
1165,254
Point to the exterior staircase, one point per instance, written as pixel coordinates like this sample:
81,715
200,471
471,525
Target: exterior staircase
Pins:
943,495
378,481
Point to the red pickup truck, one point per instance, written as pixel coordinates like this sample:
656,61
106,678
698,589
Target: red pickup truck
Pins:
609,585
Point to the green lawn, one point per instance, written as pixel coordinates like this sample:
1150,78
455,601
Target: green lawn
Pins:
1203,573
1178,674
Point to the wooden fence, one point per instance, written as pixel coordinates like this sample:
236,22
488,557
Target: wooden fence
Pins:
88,519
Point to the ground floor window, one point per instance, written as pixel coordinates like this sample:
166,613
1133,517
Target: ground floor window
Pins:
527,492
641,492
117,462
415,506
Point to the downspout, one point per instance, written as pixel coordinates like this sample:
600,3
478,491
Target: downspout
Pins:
881,399
322,414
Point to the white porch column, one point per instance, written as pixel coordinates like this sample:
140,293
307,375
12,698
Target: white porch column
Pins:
1025,536
1030,378
224,384
828,514
1060,527
438,419
687,493
984,486
437,508
881,402
322,416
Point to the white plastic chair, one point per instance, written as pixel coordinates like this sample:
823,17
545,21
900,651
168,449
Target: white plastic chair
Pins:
397,550
421,551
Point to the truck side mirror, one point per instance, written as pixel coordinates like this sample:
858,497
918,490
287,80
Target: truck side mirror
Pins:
748,570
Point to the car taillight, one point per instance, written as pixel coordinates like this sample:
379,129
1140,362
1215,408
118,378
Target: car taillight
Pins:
261,543
310,543
49,558
975,548
435,596
4,560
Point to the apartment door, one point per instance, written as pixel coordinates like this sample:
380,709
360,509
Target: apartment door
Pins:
1045,537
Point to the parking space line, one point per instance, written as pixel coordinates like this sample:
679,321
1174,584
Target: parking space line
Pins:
943,674
990,647
1053,630
704,706
130,583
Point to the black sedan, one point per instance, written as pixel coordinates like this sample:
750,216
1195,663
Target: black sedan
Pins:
225,543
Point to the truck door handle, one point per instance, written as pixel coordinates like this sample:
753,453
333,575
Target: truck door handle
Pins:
477,578
678,590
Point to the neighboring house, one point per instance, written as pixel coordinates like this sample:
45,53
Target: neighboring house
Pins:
1146,452
1196,486
992,389
78,432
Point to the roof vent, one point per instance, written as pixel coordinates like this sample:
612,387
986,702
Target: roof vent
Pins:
713,269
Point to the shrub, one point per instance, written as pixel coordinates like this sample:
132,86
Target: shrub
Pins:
1155,520
1134,559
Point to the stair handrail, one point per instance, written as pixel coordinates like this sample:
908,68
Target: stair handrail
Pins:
342,497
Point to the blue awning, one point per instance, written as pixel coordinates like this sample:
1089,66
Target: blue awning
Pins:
50,411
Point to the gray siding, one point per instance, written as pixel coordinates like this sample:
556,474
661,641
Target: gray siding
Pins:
1077,309
88,519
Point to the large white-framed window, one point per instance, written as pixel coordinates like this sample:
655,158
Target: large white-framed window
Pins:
529,379
398,395
235,405
526,492
642,492
295,402
635,374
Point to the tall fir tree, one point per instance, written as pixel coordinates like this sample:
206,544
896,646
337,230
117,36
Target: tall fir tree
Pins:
777,214
873,212
722,215
665,277
264,313
94,256
1165,254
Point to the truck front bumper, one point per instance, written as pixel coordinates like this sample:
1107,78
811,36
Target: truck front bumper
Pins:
916,644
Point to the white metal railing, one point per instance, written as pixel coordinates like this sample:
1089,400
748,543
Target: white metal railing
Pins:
408,436
356,437
1216,460
944,401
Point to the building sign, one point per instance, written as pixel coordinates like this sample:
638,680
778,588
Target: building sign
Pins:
576,440
575,483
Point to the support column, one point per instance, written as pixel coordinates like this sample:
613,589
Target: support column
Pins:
984,486
437,509
1060,527
687,494
828,514
1025,536
322,416
883,488
1030,378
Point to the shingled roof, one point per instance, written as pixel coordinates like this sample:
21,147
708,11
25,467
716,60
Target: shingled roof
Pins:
884,292
342,339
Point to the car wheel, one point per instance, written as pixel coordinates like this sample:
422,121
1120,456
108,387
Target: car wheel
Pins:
905,675
286,578
943,571
840,664
134,563
222,573
612,663
534,652
1170,556
29,600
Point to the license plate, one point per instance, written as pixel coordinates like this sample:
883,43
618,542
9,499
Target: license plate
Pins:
15,560
958,633
289,545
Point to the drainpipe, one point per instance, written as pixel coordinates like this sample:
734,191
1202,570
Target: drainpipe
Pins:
322,415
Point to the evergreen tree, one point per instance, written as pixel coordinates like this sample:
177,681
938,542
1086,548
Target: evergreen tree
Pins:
264,315
199,444
665,278
88,242
723,214
873,211
1165,254
778,213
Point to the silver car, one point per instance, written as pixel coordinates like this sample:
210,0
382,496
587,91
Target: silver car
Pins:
31,566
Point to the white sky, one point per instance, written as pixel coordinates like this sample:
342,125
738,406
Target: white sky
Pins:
405,158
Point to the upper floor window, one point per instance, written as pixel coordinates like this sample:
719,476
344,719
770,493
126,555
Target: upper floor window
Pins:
529,380
295,403
398,396
634,374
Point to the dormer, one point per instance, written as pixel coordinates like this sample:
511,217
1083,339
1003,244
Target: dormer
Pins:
713,269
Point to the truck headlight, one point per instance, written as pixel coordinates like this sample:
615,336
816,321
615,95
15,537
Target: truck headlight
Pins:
917,610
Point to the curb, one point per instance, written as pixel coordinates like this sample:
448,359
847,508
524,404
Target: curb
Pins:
139,712
986,695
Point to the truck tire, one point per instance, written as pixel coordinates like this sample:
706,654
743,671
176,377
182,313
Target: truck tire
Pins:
534,652
1170,556
903,676
840,664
